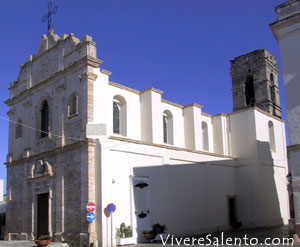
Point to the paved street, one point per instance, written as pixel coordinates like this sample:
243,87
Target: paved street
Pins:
262,235
274,233
26,244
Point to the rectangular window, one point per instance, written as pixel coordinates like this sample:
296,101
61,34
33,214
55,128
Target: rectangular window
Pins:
73,105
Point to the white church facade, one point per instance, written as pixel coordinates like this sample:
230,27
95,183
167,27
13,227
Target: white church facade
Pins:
76,137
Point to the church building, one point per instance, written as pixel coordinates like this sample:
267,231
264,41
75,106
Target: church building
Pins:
77,137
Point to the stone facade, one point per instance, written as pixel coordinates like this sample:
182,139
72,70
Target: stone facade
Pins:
53,164
256,74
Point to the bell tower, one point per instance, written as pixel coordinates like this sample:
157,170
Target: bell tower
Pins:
255,82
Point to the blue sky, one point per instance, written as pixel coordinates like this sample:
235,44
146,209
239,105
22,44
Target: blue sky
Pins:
182,47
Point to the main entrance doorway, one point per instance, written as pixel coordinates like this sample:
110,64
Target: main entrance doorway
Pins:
42,214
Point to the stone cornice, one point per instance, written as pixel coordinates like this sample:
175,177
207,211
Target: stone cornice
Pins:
248,109
78,46
193,104
206,114
106,72
85,61
288,21
89,75
12,84
292,148
258,109
114,84
167,147
39,177
285,4
172,103
92,61
10,112
272,65
152,89
123,87
53,151
220,114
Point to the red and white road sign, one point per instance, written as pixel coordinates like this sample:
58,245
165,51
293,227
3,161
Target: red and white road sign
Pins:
90,207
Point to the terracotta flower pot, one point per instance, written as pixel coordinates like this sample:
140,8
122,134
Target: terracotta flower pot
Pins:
42,243
149,236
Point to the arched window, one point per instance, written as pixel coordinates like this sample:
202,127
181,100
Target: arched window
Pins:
73,105
117,119
119,116
18,132
272,89
272,78
168,127
249,91
44,119
272,136
165,126
205,142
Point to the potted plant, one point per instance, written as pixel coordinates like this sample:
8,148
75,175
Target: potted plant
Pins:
43,240
148,235
124,235
160,231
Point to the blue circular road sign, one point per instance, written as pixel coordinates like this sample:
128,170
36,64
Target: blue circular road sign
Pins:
90,216
111,207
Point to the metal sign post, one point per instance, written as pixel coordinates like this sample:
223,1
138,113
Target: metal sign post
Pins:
111,208
90,216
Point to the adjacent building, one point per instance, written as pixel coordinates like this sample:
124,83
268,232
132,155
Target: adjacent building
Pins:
286,30
94,140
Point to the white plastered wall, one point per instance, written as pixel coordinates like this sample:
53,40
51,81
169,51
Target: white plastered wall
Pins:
181,184
289,38
255,175
178,124
261,176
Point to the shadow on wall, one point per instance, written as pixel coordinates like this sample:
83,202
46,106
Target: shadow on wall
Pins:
196,198
272,185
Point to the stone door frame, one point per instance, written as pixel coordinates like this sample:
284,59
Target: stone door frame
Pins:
35,210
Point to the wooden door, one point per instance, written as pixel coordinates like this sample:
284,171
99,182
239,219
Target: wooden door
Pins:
43,214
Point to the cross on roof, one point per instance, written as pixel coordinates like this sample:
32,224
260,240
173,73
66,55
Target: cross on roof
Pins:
48,16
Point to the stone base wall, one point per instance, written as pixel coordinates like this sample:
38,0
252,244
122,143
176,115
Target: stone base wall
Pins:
68,194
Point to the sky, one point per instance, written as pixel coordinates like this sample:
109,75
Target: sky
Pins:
182,47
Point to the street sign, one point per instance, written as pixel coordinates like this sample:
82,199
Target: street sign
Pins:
90,207
90,216
111,208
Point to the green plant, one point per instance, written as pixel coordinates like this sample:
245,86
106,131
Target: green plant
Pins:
158,228
44,237
124,231
147,232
